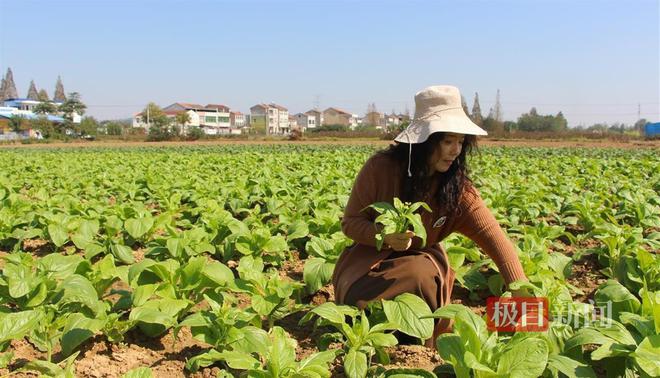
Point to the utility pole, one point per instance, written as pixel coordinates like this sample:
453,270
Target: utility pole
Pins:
498,108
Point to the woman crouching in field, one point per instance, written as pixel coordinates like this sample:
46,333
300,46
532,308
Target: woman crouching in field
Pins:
428,163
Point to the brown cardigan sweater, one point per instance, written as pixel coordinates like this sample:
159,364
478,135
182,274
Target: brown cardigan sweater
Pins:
379,181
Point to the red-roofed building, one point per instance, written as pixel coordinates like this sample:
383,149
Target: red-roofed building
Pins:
334,116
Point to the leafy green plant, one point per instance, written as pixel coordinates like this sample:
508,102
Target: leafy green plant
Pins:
362,341
399,218
323,255
164,291
472,351
270,294
271,355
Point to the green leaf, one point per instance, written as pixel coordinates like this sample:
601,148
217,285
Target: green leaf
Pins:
15,325
282,350
418,227
138,227
78,289
620,298
382,339
141,372
643,325
238,360
560,263
122,253
203,360
5,359
405,310
408,373
218,273
452,350
317,363
276,244
297,230
44,367
610,350
58,266
78,329
647,355
586,336
331,312
526,358
253,340
570,367
58,234
355,364
316,274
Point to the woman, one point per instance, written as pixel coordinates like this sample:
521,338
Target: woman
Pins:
428,163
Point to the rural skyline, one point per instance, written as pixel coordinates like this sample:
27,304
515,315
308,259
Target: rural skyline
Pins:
596,61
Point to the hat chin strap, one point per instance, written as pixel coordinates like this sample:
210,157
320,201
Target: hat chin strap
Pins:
409,154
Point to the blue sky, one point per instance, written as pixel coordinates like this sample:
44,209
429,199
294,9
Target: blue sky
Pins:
596,61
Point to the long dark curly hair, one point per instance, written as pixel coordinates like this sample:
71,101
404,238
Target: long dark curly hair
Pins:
451,183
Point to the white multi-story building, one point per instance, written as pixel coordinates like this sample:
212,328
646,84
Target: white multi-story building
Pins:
305,121
237,120
271,118
213,119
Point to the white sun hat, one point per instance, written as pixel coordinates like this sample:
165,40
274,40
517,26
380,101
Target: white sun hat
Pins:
438,109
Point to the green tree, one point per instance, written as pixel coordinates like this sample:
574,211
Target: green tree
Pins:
45,107
44,125
70,107
113,128
530,121
492,125
639,125
182,119
18,123
559,122
533,121
89,126
195,133
157,122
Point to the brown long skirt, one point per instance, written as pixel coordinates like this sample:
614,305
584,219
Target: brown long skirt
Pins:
421,273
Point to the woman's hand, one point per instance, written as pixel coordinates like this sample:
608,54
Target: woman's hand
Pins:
399,241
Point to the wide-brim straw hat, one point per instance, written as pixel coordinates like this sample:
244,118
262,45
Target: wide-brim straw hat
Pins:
438,109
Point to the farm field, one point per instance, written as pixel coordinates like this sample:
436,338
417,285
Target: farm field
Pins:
214,260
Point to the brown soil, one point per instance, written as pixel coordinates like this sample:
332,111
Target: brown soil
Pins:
586,276
99,358
417,356
38,247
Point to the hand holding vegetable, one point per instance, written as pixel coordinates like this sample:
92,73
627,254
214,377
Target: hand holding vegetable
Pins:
397,221
399,241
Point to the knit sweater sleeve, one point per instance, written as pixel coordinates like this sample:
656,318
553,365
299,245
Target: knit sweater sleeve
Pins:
358,222
477,222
